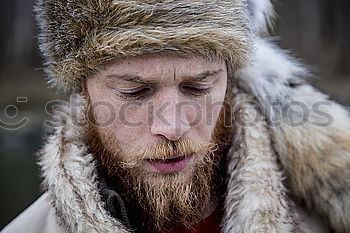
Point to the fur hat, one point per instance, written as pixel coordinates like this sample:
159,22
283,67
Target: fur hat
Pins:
78,37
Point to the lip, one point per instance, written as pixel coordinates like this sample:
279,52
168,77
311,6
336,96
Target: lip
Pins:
171,166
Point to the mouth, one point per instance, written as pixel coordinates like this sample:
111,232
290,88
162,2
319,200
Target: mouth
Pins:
169,160
170,165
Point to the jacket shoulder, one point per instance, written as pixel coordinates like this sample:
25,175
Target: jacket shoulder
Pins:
37,218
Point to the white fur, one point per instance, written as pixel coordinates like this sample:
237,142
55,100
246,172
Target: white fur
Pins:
268,75
70,176
262,14
316,157
256,199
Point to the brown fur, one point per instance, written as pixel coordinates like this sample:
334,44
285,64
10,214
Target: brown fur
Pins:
317,162
78,37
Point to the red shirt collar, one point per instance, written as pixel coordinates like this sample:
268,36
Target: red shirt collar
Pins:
210,224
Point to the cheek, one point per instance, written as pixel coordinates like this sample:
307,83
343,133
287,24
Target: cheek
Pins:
126,130
130,125
130,128
210,112
104,114
204,121
117,121
101,103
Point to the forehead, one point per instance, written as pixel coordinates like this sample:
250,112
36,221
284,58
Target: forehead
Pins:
156,67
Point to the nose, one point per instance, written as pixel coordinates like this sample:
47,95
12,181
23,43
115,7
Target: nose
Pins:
169,121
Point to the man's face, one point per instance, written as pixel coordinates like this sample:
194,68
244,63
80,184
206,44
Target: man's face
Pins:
155,119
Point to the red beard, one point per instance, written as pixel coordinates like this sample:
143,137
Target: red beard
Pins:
167,201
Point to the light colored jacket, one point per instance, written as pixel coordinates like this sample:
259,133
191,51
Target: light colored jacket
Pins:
40,218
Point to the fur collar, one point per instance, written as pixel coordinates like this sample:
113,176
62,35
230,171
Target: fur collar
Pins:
315,152
314,157
256,198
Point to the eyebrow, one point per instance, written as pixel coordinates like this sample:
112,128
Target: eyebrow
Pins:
203,75
138,79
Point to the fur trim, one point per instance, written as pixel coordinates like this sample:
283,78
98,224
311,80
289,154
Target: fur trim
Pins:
78,37
315,153
70,177
256,199
262,14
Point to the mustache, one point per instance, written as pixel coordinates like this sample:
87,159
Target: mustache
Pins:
165,150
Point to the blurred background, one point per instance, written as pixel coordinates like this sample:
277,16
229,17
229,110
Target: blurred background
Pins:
316,31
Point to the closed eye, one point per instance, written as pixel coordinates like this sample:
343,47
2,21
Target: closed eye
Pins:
134,94
197,91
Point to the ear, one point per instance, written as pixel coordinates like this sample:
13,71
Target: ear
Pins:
262,15
310,133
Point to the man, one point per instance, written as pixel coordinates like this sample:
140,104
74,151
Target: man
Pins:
185,118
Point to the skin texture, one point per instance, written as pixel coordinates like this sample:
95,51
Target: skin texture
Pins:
157,108
171,107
